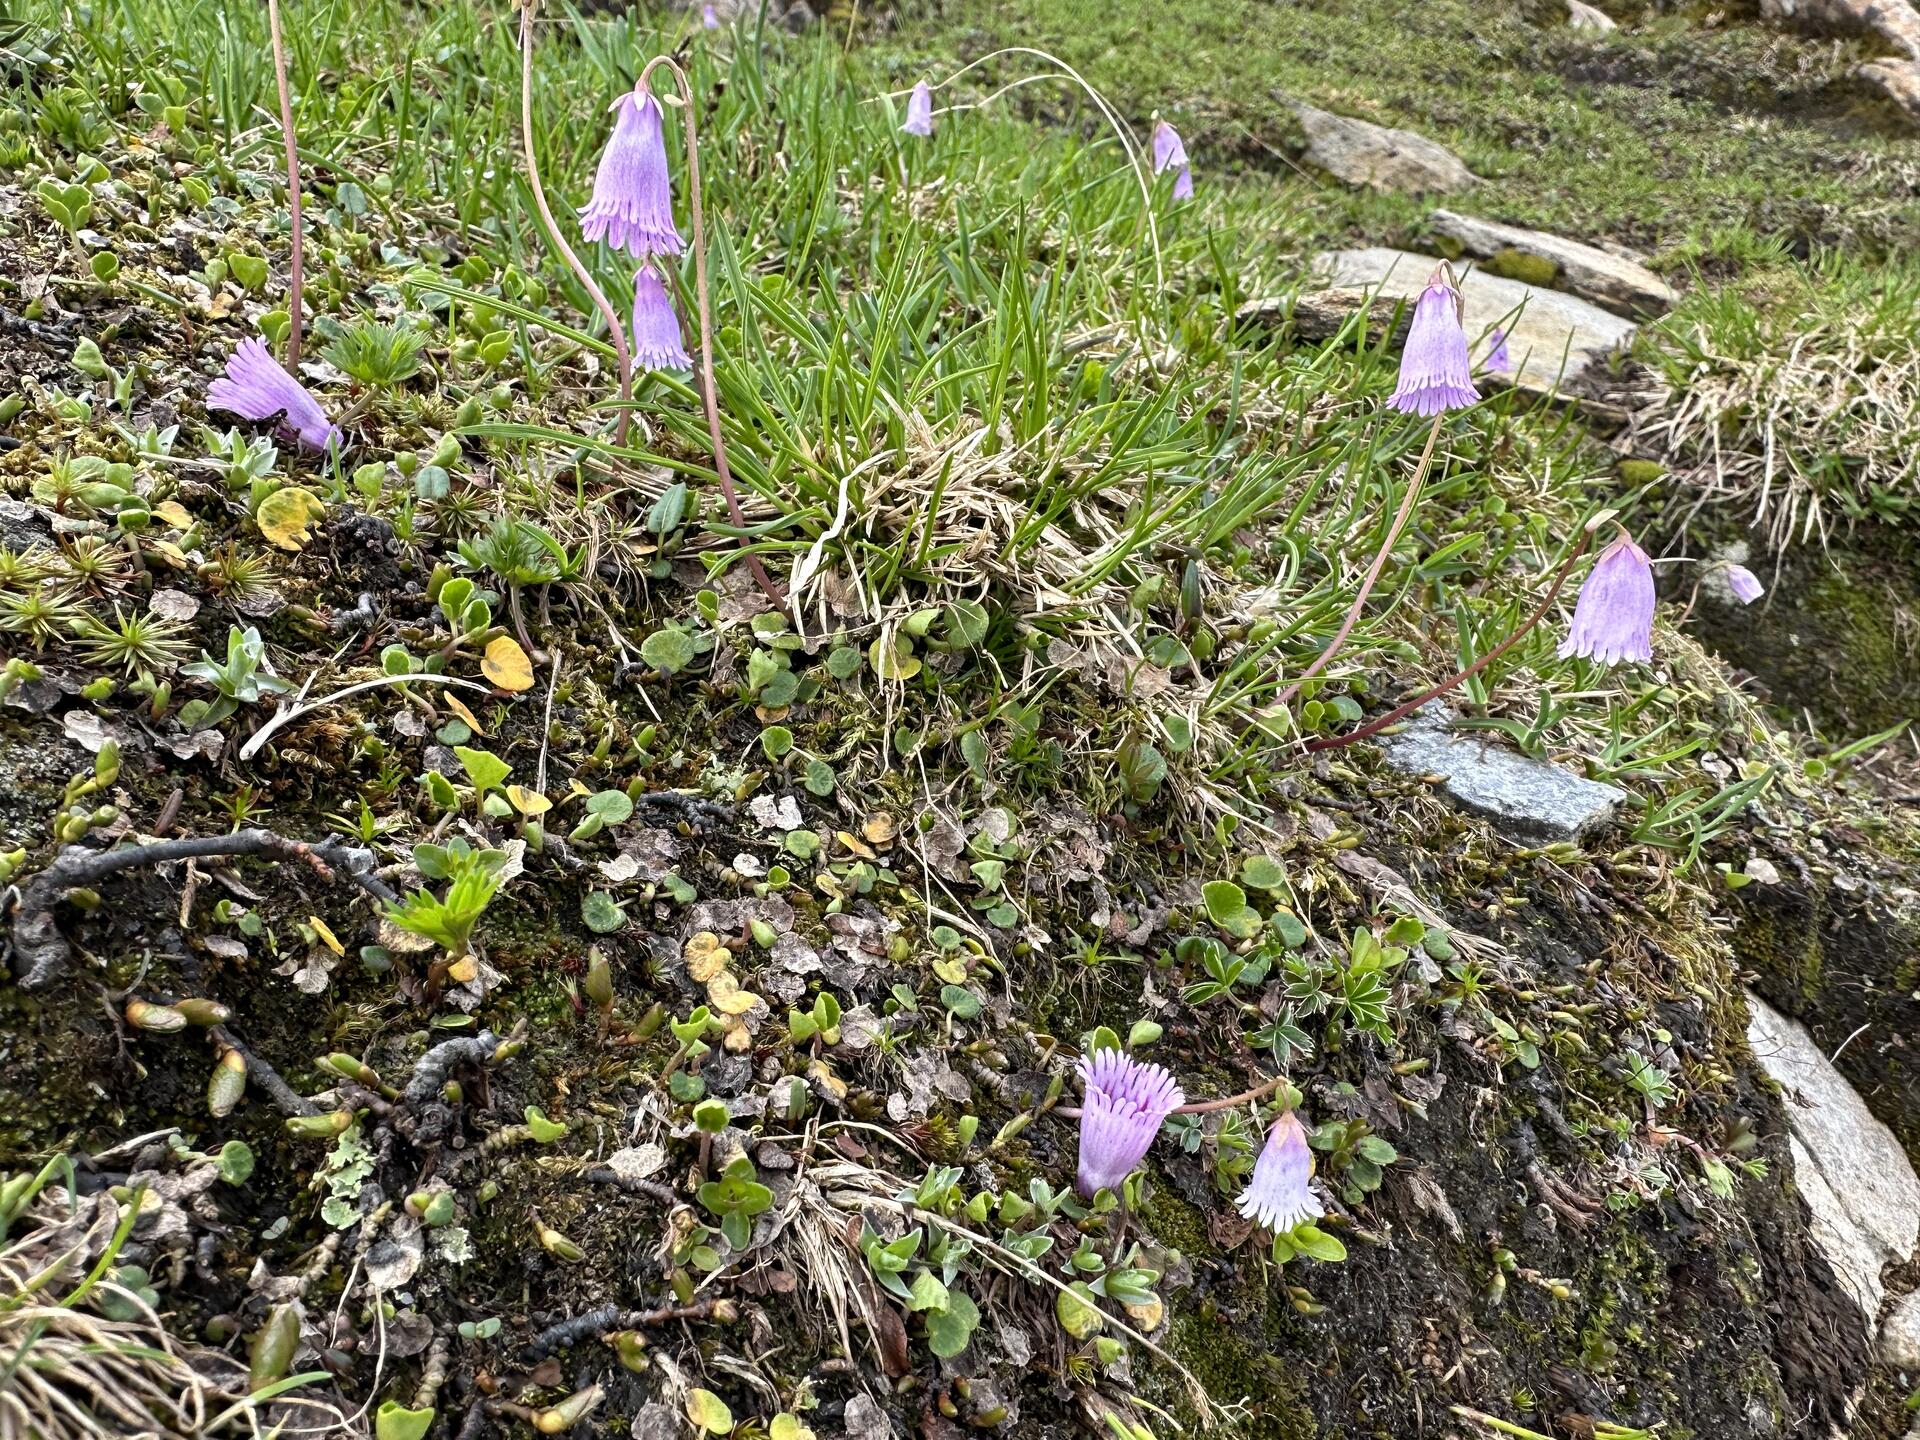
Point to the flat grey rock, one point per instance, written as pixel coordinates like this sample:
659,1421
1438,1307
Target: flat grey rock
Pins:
1588,19
1374,157
1559,343
1524,797
1595,274
1861,1193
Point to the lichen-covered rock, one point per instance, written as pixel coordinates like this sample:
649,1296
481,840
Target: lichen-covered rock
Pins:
1594,274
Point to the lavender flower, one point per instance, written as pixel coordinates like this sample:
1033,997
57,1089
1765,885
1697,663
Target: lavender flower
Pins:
632,204
1498,360
1745,584
1277,1196
1435,374
1127,1102
919,111
656,329
1613,618
258,388
709,18
1170,153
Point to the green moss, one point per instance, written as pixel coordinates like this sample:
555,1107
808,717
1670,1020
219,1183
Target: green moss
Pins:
1518,265
1231,1368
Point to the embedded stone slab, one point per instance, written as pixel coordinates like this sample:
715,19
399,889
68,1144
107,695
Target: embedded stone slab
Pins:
1376,157
1526,798
1860,1190
1598,275
1559,343
1900,1336
1589,19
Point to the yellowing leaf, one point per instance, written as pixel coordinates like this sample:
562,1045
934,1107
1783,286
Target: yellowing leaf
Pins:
879,829
285,515
506,665
454,704
528,802
786,1426
726,996
175,514
326,935
950,970
464,970
706,956
709,1412
858,846
736,1040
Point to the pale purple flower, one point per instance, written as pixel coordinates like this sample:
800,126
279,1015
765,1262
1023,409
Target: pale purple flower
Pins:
919,111
1435,373
656,329
1170,153
1127,1102
1498,360
1278,1196
709,18
257,387
1613,618
632,204
1745,584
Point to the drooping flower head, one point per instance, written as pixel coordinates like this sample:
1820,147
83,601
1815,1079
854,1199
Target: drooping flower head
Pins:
1498,360
1170,153
1613,618
656,329
1278,1196
1745,584
709,18
1435,373
257,387
632,204
919,111
1127,1102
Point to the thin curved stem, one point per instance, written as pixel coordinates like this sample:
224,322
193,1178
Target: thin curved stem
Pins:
1373,573
709,392
1202,1107
622,356
1374,727
298,265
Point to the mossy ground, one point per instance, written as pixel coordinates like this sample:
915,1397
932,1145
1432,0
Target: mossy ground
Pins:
964,327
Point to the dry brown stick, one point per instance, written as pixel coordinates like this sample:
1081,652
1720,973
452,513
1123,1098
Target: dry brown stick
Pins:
40,951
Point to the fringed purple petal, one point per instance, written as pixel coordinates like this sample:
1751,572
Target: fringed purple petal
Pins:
1278,1196
1169,151
1498,360
257,387
1613,618
1435,373
656,329
632,204
1126,1103
709,18
919,111
1745,584
1183,184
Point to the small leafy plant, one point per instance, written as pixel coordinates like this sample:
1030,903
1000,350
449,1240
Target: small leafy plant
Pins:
245,678
473,879
378,354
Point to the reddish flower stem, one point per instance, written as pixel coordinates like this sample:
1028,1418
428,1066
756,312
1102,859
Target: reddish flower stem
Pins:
709,392
1202,1107
298,266
1399,712
1373,573
622,357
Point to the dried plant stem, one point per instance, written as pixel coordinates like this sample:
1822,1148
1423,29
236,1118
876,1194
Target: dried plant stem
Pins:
1400,519
708,392
298,265
1399,712
622,356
